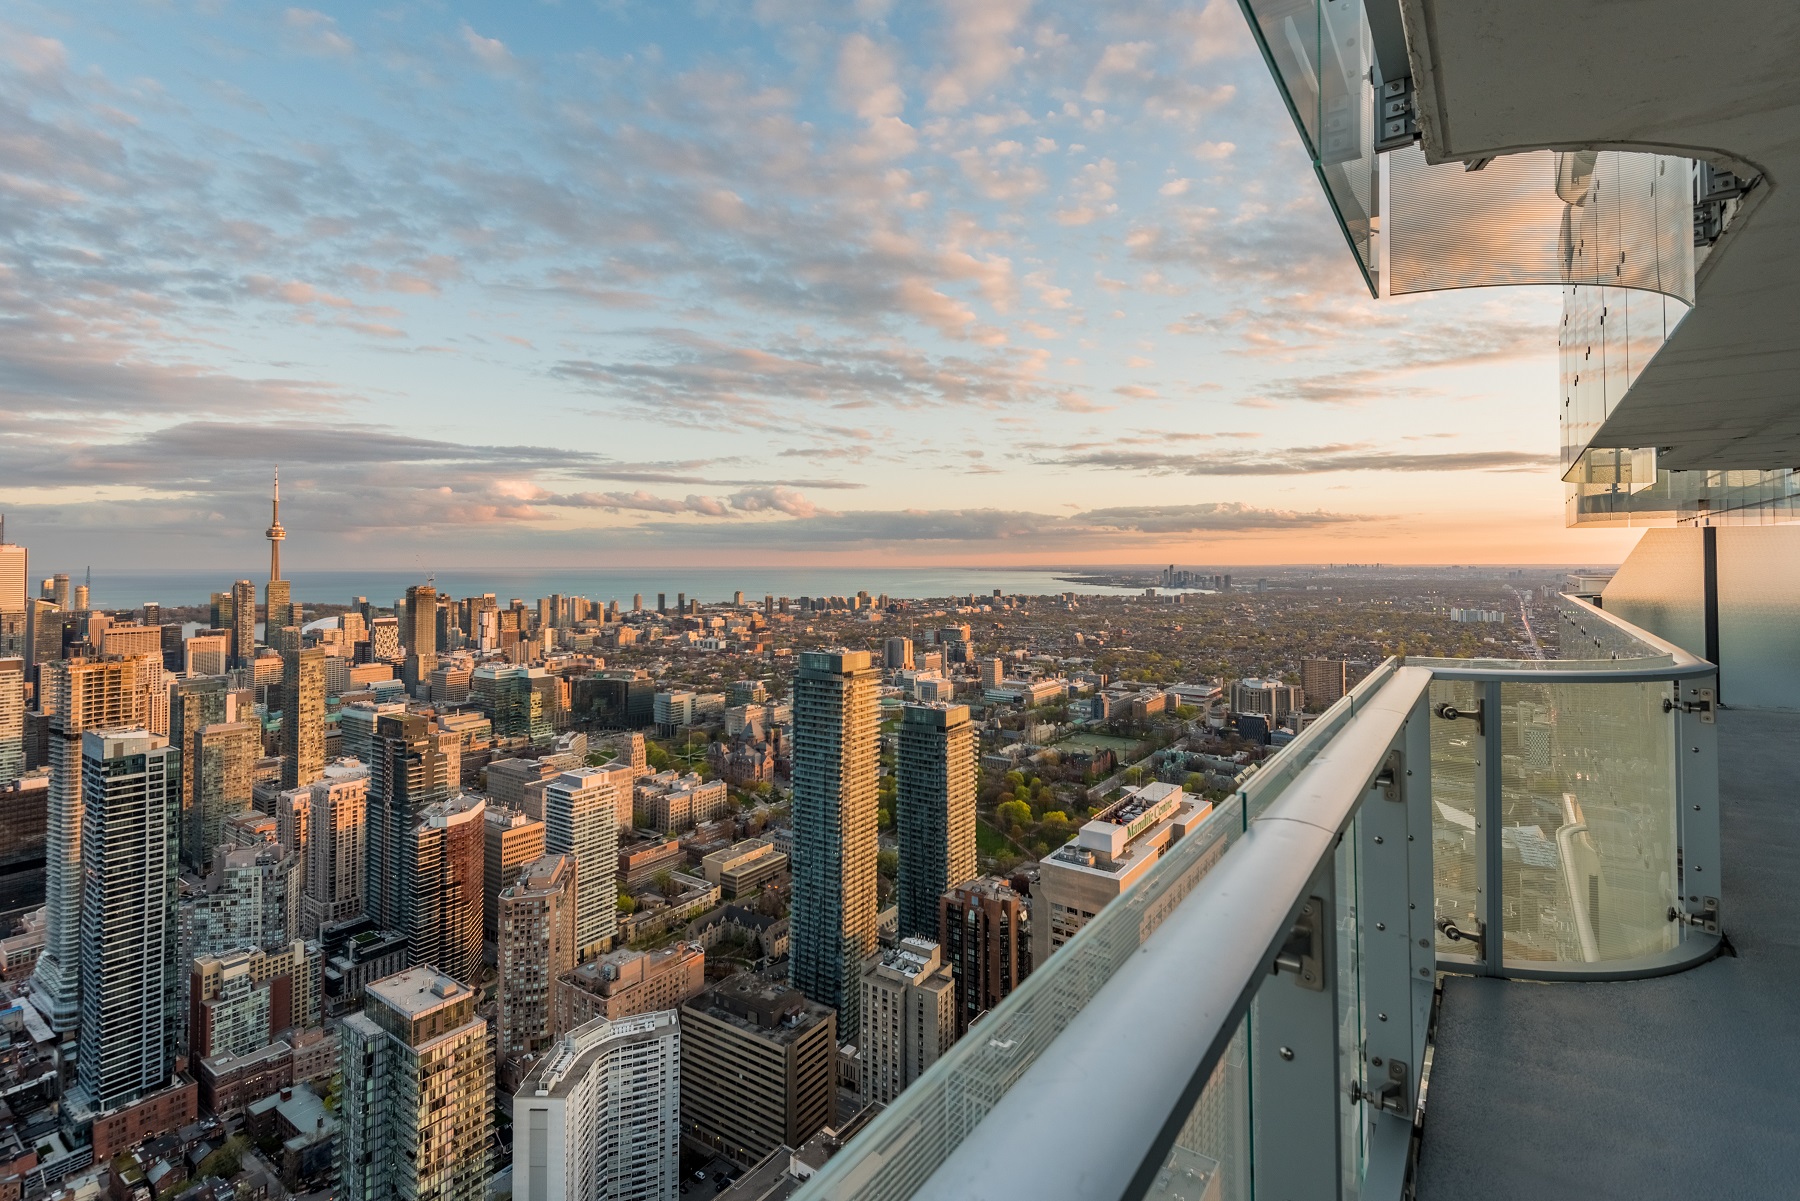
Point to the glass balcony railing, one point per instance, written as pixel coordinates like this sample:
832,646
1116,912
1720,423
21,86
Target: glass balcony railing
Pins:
1250,1020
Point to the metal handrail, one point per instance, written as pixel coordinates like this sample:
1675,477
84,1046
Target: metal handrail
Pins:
1213,953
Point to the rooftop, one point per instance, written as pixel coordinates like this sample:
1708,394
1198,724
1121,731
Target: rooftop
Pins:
417,991
767,1008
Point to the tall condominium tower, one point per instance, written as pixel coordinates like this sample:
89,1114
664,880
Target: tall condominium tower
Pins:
59,590
934,810
194,704
537,948
600,1118
985,934
836,757
224,783
12,719
336,846
130,983
82,695
421,624
581,819
243,623
441,888
898,653
277,608
303,716
418,1092
405,775
14,625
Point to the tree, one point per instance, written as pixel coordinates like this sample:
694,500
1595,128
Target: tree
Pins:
1013,813
626,903
888,863
657,756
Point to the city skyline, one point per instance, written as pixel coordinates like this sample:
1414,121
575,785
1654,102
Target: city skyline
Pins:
986,283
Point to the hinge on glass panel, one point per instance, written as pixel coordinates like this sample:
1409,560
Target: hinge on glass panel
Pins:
1451,931
1449,712
1301,953
1388,778
1707,919
1396,116
1389,1094
1703,705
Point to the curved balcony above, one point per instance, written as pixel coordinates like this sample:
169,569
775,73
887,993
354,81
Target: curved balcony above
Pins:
1501,78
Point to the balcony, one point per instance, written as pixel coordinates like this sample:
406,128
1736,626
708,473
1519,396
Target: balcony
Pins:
1462,937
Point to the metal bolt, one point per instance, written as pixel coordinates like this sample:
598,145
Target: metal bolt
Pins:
1378,838
1381,925
1696,808
1376,1061
1424,971
1696,750
1425,942
1286,1052
1412,905
1381,1017
1409,838
1409,771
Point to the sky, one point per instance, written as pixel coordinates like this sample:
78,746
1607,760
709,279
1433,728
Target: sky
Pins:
711,282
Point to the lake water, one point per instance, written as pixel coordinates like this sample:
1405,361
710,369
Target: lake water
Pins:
128,589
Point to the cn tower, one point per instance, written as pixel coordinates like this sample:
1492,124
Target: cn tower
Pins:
275,534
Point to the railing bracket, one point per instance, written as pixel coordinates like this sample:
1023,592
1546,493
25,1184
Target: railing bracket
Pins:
1707,919
1388,1095
1449,712
1301,954
1704,706
1450,930
1388,778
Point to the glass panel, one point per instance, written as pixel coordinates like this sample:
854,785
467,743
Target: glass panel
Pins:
1211,1157
1347,163
1540,218
1455,805
1289,33
1587,825
1352,1147
900,1150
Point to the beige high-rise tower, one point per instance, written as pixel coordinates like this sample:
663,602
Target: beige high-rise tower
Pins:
837,762
87,694
537,948
303,716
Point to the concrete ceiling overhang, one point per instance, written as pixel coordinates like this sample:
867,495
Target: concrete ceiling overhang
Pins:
1717,81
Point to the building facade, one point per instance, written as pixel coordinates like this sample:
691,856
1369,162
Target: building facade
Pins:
757,1068
336,846
130,979
908,1017
536,949
405,776
303,716
600,1117
836,764
441,892
418,1092
581,819
984,930
934,809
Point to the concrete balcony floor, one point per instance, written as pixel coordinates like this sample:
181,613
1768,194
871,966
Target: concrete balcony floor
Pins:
1680,1087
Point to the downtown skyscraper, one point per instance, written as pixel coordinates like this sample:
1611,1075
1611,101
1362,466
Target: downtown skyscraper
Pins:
80,696
934,810
130,977
581,819
418,1092
405,775
836,755
303,716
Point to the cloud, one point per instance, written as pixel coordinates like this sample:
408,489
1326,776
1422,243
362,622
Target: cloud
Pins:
982,51
312,32
1299,460
490,53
